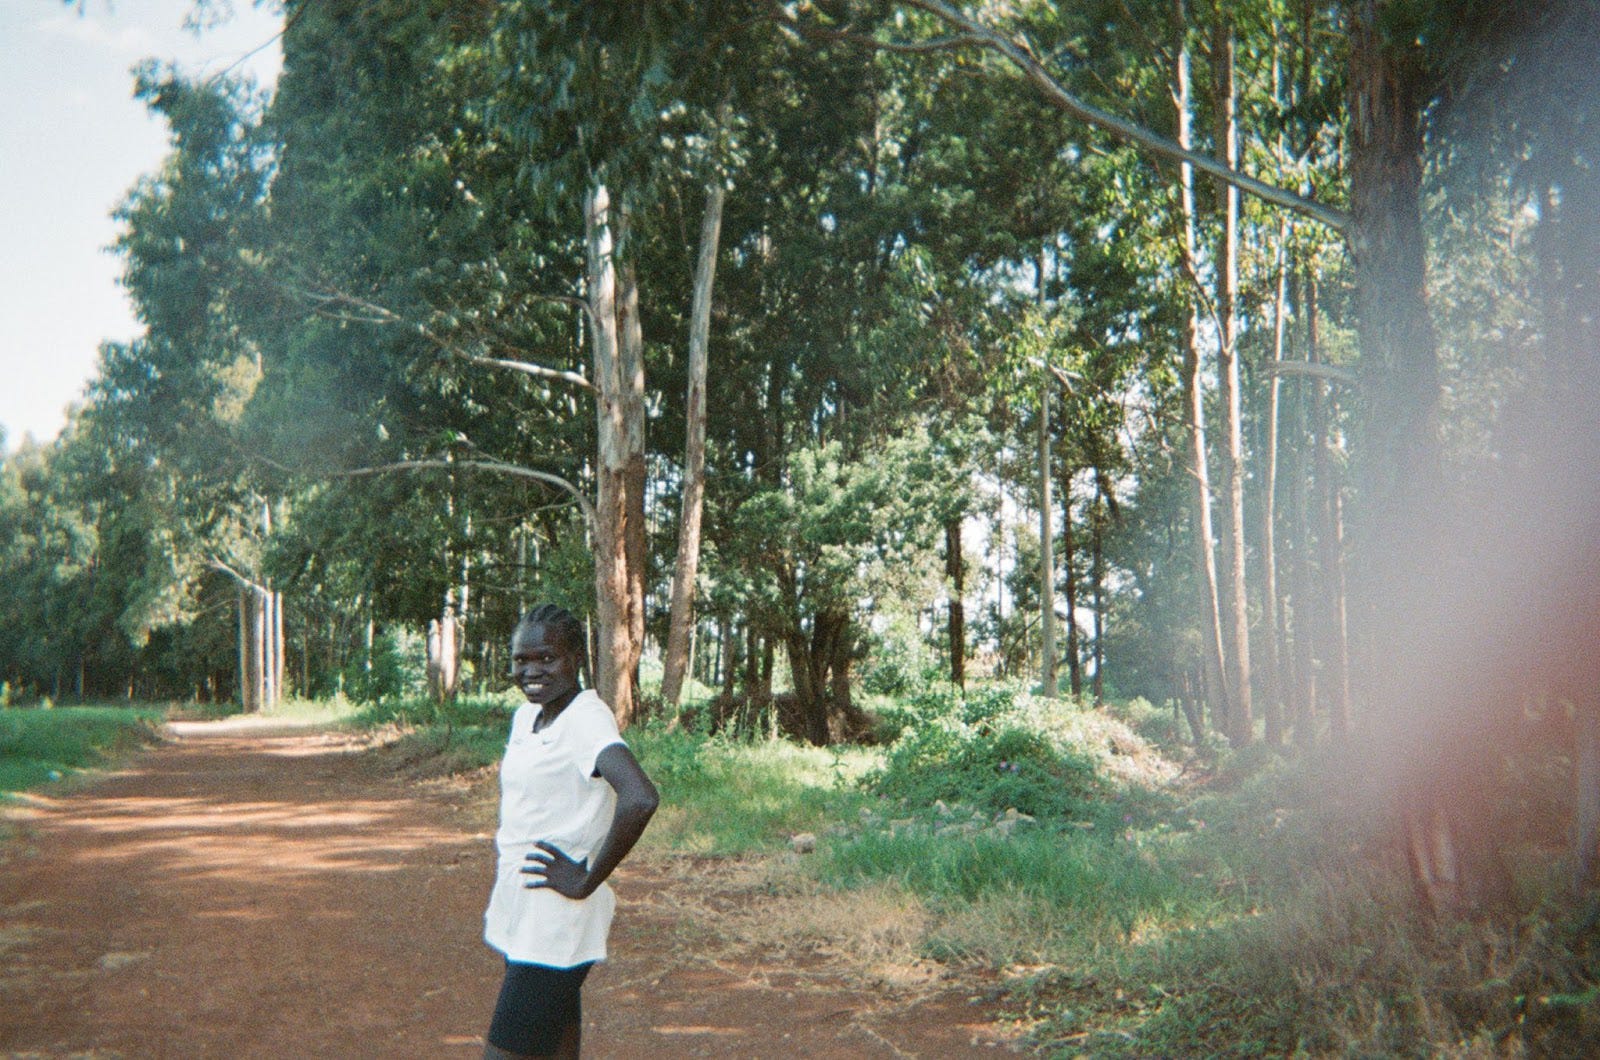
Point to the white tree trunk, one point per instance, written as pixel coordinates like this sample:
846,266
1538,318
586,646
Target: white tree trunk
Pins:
1194,401
686,569
1047,558
1047,529
1240,717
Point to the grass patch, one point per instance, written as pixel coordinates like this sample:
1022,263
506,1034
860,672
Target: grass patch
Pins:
1097,889
41,746
430,738
724,797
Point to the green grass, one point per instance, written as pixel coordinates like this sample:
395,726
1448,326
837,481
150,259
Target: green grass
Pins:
1085,876
725,797
40,746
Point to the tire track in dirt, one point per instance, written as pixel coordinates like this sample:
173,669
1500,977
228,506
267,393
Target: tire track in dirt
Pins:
242,891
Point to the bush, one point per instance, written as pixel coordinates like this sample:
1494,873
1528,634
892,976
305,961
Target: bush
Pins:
900,661
1009,767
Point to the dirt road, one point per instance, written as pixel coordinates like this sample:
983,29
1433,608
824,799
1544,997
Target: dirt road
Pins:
249,892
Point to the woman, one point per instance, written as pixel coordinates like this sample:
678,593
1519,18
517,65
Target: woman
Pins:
573,801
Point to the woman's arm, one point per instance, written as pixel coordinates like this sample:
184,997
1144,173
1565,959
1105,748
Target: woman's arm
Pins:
637,800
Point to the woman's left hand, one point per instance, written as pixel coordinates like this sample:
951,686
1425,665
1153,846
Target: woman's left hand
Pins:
552,868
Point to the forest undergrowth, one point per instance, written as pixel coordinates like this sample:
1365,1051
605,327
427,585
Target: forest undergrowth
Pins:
1133,895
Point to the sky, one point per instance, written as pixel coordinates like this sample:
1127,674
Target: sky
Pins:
73,141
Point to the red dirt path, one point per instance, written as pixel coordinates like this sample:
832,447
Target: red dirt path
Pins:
245,892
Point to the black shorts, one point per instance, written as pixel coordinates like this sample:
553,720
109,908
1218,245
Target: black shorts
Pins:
537,1004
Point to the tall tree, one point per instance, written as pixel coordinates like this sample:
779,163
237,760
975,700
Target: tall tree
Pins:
1241,720
686,568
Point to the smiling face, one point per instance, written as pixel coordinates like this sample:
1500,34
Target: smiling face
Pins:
542,665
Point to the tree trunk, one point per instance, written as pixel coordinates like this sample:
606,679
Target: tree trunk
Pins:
1047,528
686,568
1070,574
1097,522
1333,680
443,656
279,665
258,648
1240,715
1047,565
1271,681
1300,617
955,568
845,722
728,654
366,651
631,400
808,689
247,686
1401,477
268,632
1398,349
618,381
1194,402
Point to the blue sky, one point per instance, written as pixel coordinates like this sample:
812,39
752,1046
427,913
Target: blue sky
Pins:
72,142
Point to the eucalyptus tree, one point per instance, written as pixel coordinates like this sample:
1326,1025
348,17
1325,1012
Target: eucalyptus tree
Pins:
169,403
1494,105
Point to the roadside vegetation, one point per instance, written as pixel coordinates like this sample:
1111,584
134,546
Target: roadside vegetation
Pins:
39,746
1121,892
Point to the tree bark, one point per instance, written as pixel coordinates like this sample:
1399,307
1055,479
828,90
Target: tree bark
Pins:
687,567
955,568
1240,716
258,648
444,655
635,477
619,415
1097,526
1047,530
247,700
1047,565
1399,543
808,680
278,655
1296,614
1194,401
1271,681
1070,575
1333,655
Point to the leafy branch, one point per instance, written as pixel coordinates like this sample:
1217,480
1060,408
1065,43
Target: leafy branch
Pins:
328,302
974,34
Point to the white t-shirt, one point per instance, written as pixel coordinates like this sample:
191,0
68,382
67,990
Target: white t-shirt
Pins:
548,791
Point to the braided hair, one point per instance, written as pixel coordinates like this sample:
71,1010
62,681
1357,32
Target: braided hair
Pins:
565,629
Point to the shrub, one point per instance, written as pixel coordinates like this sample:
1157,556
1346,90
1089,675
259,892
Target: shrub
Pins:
900,661
1010,767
